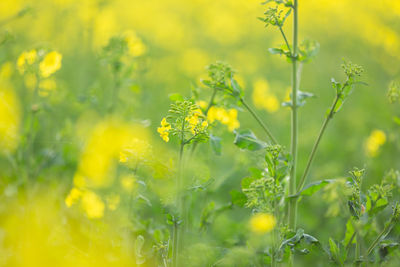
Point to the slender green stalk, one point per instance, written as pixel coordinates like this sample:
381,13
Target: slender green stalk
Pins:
178,231
358,249
175,236
382,234
286,41
294,122
255,116
211,103
316,144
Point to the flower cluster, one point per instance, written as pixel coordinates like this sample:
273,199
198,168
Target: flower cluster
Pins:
136,47
25,60
187,121
374,142
219,74
164,129
225,116
352,70
50,63
262,223
196,124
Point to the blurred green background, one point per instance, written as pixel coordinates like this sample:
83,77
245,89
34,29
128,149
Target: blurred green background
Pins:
181,39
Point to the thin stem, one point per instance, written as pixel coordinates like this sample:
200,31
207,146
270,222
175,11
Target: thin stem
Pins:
255,116
286,41
177,231
382,234
211,103
316,144
358,249
294,122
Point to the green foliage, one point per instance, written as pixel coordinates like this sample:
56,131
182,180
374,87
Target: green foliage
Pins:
187,122
275,16
246,139
393,93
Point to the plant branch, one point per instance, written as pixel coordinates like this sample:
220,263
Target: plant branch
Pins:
386,230
286,41
316,144
294,123
255,116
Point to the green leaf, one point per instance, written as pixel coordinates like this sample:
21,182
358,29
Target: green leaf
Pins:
236,89
334,250
138,249
170,219
276,51
215,143
396,120
246,139
206,83
238,198
312,188
302,96
246,182
349,233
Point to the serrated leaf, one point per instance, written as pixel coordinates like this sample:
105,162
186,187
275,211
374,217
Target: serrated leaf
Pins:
246,139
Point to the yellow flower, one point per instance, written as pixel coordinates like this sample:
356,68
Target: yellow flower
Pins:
204,125
9,120
137,150
163,130
193,122
261,223
46,86
113,201
123,157
92,205
27,57
30,81
135,45
201,103
73,196
227,117
128,182
6,70
374,142
263,98
50,64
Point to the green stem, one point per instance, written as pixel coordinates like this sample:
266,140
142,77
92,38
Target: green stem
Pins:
255,116
175,237
294,122
316,144
178,231
286,41
358,249
211,103
382,234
